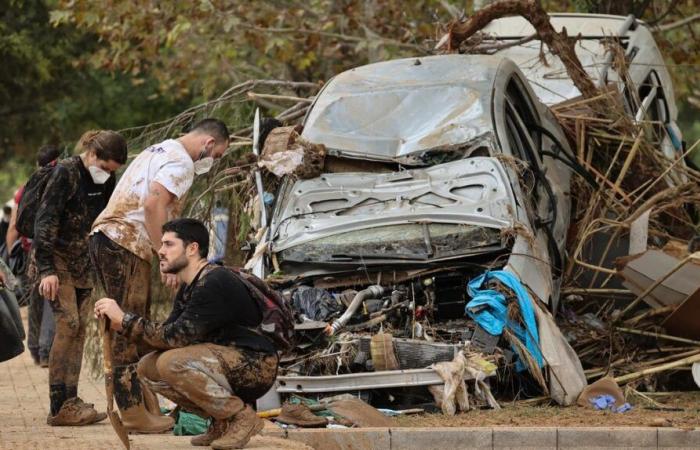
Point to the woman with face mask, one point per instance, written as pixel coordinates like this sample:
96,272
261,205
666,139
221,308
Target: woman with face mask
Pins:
77,190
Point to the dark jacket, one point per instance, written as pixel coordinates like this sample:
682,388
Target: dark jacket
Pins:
71,203
216,308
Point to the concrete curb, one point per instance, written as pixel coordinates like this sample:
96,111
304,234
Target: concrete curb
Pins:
446,438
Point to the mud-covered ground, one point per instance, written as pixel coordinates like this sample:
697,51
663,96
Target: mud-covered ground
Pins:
573,416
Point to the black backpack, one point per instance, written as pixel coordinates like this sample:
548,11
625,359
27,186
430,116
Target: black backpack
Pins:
277,318
31,197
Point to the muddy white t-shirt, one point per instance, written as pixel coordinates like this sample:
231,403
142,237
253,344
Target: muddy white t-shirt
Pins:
123,220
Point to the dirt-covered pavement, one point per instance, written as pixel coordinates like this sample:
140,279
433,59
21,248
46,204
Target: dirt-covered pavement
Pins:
24,403
686,415
24,406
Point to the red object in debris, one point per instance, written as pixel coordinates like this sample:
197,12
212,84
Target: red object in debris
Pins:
420,312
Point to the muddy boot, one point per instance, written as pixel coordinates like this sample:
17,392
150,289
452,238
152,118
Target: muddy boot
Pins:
301,416
73,413
216,429
99,416
241,428
72,393
129,397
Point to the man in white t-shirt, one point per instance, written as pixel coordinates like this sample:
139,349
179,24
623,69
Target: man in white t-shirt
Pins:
127,235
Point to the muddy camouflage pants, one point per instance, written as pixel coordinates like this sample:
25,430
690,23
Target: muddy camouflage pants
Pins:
209,380
71,311
126,278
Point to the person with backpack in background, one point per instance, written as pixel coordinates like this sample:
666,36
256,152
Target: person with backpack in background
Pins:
210,358
66,199
40,320
127,235
5,221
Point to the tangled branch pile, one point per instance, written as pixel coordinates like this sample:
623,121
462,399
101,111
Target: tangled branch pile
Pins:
629,189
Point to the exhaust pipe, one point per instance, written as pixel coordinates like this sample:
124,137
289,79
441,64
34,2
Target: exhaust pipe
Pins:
372,292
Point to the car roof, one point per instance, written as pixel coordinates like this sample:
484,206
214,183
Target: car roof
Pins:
575,23
547,74
394,108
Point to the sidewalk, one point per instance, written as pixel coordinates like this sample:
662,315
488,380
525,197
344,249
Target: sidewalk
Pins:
24,403
521,438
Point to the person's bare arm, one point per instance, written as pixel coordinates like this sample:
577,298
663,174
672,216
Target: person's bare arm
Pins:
156,211
12,233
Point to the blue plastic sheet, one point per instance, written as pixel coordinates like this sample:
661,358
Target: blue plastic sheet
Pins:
489,309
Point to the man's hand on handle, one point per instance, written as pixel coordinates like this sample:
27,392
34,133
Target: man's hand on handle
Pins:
107,307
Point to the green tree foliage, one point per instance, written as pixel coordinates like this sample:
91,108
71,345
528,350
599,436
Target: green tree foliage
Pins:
48,94
69,65
207,45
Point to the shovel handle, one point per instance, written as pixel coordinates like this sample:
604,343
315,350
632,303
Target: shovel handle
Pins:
106,345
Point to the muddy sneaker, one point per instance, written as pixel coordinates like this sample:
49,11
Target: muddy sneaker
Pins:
100,416
301,416
216,429
74,413
241,428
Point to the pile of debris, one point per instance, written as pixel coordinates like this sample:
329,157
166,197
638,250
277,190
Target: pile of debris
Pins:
626,248
433,308
630,307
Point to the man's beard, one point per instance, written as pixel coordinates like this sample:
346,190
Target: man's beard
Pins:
176,266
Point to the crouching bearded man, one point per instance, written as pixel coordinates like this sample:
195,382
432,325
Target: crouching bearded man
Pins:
209,361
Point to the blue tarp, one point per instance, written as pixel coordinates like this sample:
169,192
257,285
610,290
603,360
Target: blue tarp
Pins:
489,309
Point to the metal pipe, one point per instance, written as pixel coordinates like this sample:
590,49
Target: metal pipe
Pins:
258,176
371,292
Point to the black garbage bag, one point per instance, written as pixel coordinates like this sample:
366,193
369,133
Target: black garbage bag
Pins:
315,303
11,328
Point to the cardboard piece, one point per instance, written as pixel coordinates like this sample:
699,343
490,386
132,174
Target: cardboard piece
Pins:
360,413
685,320
641,271
604,386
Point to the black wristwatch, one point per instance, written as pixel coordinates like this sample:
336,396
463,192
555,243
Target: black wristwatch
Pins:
127,322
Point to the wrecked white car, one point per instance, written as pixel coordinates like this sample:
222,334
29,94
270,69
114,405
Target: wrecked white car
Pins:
437,170
646,85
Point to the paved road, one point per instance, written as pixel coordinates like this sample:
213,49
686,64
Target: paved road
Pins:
24,403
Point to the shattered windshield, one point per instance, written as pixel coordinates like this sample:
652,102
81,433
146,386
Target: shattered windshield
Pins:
413,241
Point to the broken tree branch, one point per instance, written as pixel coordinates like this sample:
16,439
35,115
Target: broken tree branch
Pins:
672,365
559,43
678,23
658,335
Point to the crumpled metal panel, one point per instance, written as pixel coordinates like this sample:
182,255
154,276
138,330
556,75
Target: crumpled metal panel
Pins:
471,191
394,108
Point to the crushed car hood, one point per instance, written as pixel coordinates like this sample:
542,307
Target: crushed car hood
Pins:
387,110
472,191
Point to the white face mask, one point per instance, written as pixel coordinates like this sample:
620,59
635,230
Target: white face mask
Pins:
98,175
203,164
